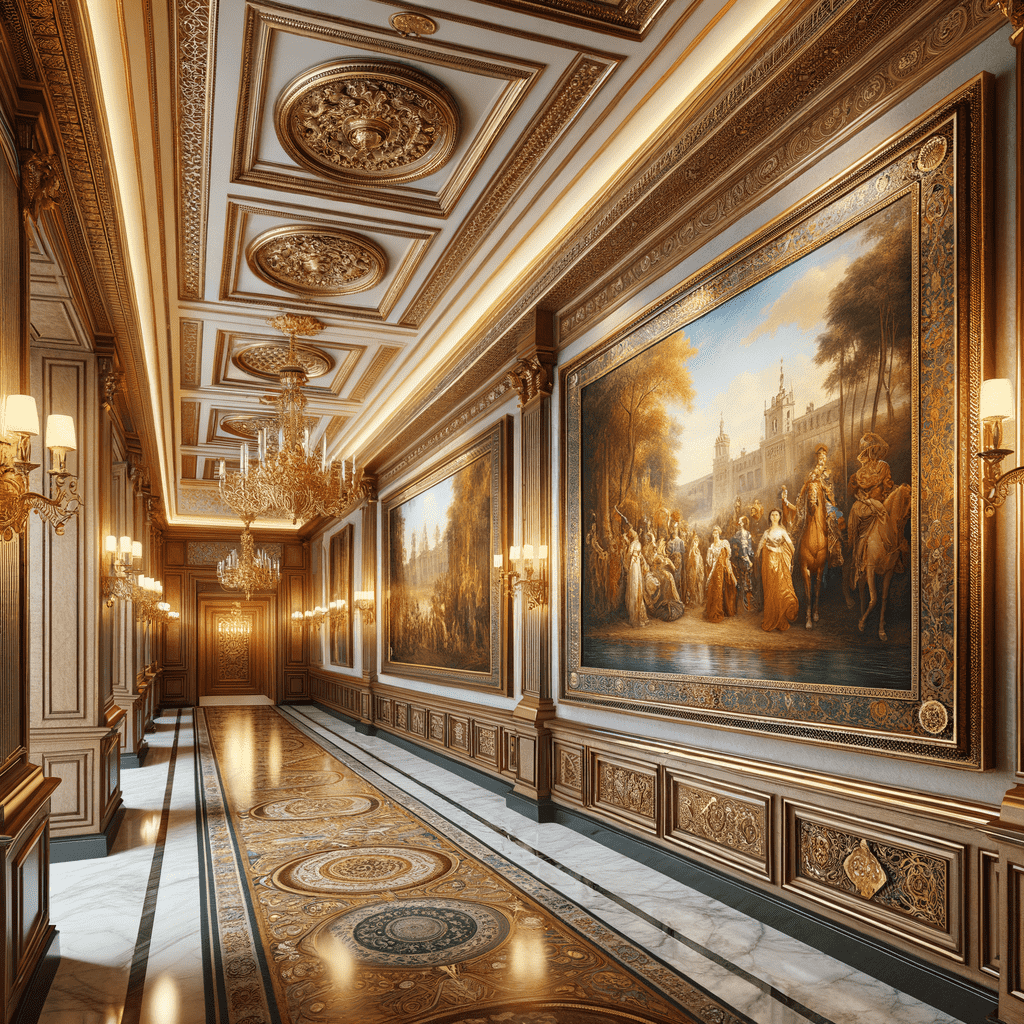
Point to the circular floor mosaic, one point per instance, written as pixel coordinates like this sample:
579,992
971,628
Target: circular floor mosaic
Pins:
300,808
415,932
543,1012
365,869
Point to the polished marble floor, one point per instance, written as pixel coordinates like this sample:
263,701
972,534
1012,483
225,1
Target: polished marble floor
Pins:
136,940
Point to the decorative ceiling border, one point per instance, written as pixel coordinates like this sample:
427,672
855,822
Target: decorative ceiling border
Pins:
879,23
580,82
195,27
628,18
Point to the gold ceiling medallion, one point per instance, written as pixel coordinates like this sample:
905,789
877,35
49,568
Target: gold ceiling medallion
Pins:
249,427
406,24
266,360
316,261
367,121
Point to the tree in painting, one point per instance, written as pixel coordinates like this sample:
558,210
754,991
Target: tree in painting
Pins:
440,579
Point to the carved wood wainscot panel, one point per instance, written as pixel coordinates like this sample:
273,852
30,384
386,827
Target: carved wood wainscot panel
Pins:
458,733
436,720
568,773
418,722
485,744
988,903
723,822
904,883
385,711
626,791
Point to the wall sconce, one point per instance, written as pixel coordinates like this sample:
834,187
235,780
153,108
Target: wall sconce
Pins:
18,423
364,602
531,580
147,596
996,405
119,583
338,610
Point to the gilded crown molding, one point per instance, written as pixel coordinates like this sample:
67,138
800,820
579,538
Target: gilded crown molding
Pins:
628,18
195,23
714,174
371,121
316,261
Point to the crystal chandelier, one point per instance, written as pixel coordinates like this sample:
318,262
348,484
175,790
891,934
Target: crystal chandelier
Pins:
288,478
254,572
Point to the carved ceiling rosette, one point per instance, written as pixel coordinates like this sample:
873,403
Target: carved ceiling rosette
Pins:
248,427
368,121
266,360
316,260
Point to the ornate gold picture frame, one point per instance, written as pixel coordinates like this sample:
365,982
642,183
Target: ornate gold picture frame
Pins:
771,519
444,613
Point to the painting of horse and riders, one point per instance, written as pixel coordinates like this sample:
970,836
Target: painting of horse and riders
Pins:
745,481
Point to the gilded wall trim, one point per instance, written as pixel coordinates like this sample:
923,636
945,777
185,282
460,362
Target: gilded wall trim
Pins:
628,18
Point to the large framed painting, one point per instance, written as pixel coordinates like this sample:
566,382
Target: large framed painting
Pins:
339,581
444,614
770,513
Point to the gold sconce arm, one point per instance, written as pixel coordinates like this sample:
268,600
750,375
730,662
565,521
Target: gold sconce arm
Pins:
522,574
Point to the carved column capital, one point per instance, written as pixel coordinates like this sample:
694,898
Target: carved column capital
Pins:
40,185
112,381
532,377
368,487
1014,11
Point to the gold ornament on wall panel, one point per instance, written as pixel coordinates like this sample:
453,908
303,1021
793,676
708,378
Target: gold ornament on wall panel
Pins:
316,260
367,121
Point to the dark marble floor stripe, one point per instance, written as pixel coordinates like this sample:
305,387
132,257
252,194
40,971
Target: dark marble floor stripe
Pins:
359,754
213,980
140,961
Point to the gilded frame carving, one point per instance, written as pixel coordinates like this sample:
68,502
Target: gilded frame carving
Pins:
339,584
445,617
938,168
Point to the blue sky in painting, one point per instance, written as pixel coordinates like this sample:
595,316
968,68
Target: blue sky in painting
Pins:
740,343
429,508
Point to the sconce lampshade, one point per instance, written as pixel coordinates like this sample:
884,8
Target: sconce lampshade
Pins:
20,415
996,399
60,432
136,549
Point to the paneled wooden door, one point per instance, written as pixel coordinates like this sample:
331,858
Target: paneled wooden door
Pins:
234,648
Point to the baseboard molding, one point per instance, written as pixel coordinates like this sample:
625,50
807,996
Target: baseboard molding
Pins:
968,1002
135,760
31,1005
87,847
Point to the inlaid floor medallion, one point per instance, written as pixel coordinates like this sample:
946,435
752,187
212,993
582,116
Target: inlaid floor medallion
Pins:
305,808
415,933
362,870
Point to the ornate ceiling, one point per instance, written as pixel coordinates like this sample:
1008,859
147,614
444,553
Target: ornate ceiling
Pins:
420,179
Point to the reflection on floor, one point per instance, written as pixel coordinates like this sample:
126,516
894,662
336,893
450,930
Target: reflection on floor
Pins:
436,925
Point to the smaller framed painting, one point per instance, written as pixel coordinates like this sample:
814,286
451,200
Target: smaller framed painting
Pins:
444,614
339,583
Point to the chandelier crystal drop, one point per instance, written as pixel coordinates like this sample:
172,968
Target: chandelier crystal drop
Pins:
255,572
289,478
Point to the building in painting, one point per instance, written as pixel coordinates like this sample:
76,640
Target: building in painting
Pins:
432,218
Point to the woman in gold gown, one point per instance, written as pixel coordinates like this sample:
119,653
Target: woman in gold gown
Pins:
776,553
